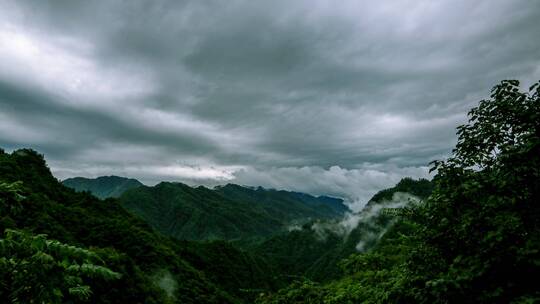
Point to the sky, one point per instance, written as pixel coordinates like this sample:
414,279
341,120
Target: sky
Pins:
340,98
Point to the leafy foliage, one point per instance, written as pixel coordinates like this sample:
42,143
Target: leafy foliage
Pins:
480,231
36,270
11,198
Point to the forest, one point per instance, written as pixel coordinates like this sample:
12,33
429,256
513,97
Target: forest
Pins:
469,235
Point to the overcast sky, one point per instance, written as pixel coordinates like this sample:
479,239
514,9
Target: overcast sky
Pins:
328,97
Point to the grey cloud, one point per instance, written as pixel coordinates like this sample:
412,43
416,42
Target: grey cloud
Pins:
67,130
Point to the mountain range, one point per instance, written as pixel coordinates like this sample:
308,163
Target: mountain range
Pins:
299,234
227,212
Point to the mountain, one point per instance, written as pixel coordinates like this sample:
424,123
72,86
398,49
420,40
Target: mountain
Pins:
229,212
103,186
152,268
184,212
287,205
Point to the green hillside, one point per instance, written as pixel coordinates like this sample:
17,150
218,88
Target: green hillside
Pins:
230,212
286,205
199,213
104,186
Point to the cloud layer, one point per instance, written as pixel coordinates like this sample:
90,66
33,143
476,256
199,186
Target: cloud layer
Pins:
305,95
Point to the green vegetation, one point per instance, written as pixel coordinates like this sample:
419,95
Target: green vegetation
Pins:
104,186
421,188
230,212
34,269
476,238
285,205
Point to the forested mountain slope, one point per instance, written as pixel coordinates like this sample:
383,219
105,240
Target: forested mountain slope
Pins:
103,186
287,205
226,213
199,213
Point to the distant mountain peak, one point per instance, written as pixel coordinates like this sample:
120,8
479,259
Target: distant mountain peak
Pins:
103,186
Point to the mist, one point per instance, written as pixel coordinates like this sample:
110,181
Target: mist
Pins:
365,218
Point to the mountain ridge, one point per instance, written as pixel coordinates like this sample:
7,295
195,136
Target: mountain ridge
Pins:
80,183
103,186
229,212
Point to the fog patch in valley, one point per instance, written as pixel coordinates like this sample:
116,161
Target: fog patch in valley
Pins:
166,282
372,231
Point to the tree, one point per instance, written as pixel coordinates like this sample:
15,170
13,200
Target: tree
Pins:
476,238
11,198
479,239
36,270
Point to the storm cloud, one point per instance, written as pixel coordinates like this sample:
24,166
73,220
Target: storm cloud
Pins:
317,96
